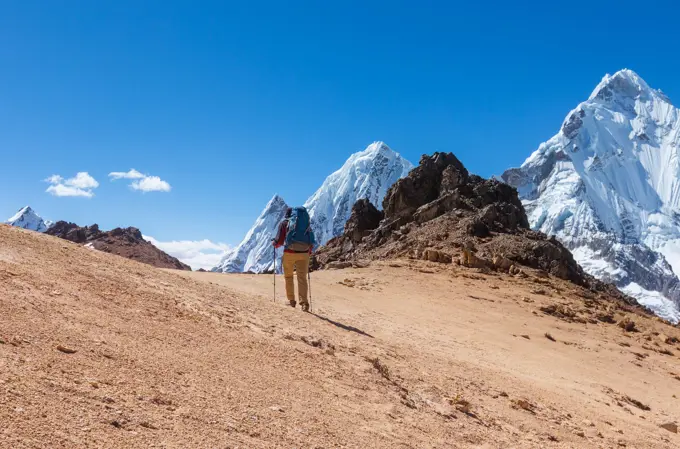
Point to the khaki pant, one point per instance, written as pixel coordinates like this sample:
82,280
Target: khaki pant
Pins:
298,262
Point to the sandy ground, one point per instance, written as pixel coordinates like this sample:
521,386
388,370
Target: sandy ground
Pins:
100,351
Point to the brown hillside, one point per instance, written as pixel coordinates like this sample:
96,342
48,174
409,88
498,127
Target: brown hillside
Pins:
101,351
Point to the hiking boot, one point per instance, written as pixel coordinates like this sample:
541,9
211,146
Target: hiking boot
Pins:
292,304
305,307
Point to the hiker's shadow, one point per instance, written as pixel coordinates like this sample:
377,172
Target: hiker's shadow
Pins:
343,326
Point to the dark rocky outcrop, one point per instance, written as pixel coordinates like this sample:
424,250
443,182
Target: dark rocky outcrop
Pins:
364,218
440,210
73,232
126,242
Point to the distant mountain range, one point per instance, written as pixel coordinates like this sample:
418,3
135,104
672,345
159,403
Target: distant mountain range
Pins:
125,242
607,185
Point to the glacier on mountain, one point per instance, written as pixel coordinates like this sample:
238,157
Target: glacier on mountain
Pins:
27,218
607,185
366,174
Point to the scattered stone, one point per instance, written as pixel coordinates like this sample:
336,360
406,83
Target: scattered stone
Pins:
347,282
526,336
470,260
338,265
276,408
379,366
148,425
560,311
434,255
628,325
670,426
549,337
524,405
461,404
501,263
66,350
636,403
580,433
515,270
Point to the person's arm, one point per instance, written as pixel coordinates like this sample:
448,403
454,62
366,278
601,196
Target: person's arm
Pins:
280,238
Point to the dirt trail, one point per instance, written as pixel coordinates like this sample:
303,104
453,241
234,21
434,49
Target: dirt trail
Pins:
398,354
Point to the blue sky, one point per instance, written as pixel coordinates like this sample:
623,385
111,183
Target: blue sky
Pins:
231,102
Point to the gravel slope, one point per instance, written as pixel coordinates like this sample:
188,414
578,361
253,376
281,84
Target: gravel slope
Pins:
390,359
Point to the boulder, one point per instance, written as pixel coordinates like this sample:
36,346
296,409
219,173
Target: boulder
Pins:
469,259
339,265
670,426
501,263
434,255
364,218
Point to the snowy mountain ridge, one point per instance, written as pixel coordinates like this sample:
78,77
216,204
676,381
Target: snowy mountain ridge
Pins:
608,186
27,218
365,174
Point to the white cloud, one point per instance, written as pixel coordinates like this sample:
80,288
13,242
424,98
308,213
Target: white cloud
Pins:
62,190
132,174
195,253
82,180
54,179
143,183
151,184
81,185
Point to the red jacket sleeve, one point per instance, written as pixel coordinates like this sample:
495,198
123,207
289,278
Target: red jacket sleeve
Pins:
281,234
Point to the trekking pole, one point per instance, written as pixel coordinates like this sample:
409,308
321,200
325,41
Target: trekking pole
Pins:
309,283
274,248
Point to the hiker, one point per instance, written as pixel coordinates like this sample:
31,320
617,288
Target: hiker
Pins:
296,236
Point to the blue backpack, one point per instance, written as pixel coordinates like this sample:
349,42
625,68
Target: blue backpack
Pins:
300,237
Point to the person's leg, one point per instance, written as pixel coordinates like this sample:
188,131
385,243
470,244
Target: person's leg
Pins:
302,268
288,269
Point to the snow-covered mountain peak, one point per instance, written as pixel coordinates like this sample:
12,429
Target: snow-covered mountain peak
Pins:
375,147
275,204
608,186
365,174
26,211
27,218
624,83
